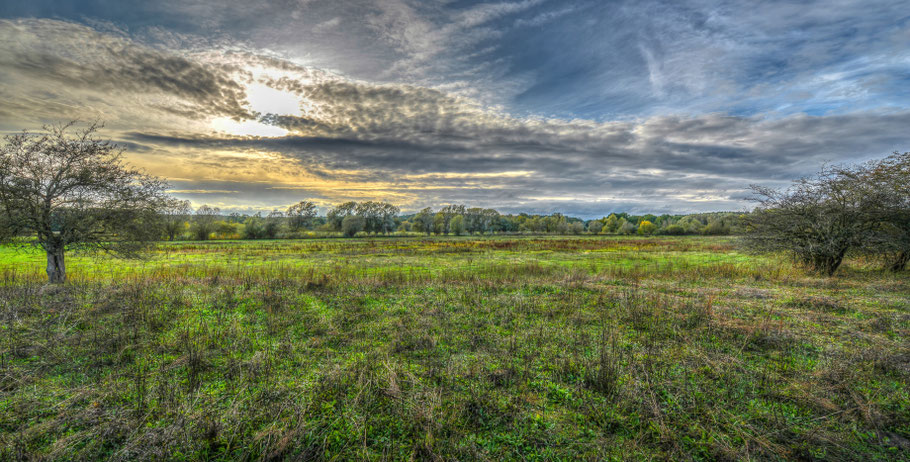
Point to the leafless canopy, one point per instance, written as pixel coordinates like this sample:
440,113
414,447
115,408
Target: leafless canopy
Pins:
889,181
844,208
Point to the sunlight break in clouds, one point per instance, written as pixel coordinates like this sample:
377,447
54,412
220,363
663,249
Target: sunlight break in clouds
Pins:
264,100
267,100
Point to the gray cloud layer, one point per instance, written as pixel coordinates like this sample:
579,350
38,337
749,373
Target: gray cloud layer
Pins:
408,143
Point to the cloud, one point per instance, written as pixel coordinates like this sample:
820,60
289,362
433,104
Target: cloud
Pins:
202,191
487,12
660,163
73,56
544,17
420,144
327,25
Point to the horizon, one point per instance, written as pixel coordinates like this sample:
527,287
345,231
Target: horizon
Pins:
322,213
531,106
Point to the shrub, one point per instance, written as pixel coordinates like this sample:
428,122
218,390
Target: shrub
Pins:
351,225
595,226
646,228
817,220
253,228
628,228
716,228
675,230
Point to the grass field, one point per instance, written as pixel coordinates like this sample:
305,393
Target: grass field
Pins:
464,348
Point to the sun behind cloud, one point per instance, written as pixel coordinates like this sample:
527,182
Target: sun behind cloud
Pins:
268,100
262,100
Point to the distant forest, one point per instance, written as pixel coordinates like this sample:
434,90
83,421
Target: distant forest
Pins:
380,218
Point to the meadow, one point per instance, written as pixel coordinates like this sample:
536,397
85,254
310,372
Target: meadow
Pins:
469,348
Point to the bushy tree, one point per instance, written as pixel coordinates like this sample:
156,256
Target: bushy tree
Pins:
611,224
646,228
691,224
387,217
254,227
423,221
448,213
627,227
439,223
204,222
491,221
301,215
272,224
716,228
595,226
61,191
175,214
674,230
338,214
473,220
457,225
226,229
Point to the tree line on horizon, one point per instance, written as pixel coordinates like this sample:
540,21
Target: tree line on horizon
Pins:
372,218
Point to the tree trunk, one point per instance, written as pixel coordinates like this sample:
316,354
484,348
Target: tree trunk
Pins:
833,264
826,264
900,262
56,267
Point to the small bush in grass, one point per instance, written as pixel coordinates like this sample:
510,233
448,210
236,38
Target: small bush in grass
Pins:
674,230
604,376
351,225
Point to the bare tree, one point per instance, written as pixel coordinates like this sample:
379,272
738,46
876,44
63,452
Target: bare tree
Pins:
61,192
818,220
893,176
888,181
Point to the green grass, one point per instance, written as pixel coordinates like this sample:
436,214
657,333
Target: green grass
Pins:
456,348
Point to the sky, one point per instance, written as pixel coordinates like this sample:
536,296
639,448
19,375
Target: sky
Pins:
581,107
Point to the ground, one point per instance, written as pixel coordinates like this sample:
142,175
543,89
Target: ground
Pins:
453,348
